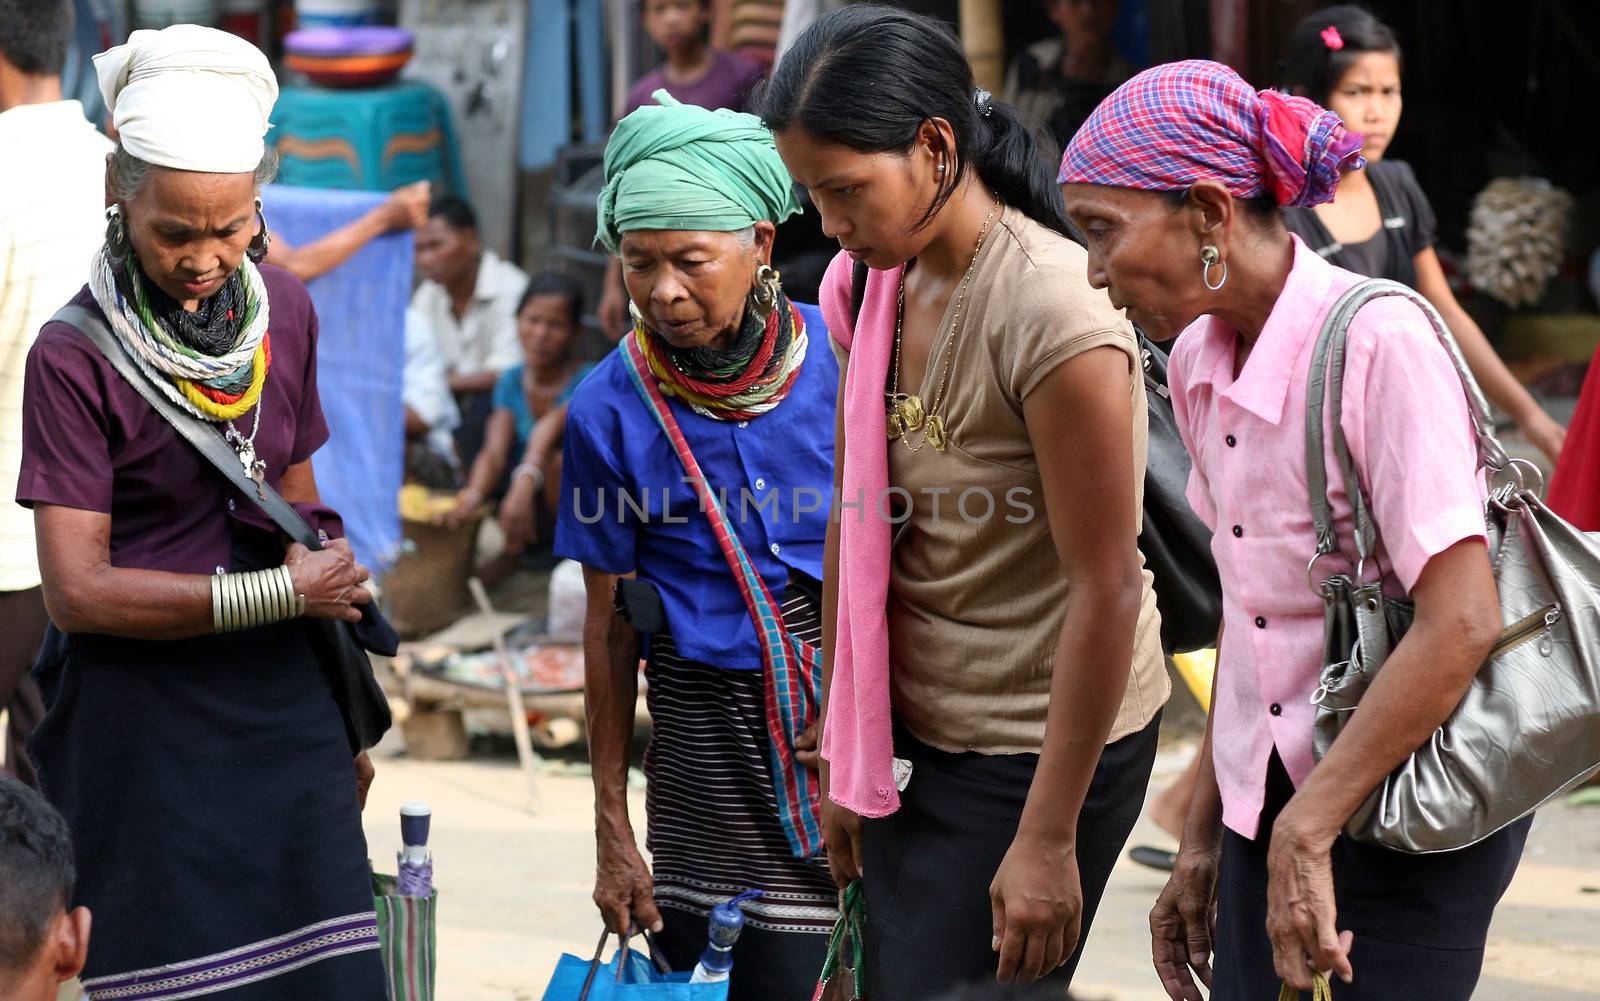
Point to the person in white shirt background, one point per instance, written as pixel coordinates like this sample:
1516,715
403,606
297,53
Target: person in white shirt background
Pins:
52,220
431,413
468,296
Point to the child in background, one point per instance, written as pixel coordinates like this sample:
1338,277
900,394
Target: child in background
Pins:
42,943
694,72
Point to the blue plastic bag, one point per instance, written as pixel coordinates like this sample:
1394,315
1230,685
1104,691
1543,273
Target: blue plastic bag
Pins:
629,976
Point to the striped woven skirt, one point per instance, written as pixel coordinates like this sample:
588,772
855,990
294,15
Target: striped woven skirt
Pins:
713,816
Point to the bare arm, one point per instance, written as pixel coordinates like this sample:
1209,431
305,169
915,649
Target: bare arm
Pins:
86,594
1089,490
1180,922
1499,385
623,889
498,438
406,208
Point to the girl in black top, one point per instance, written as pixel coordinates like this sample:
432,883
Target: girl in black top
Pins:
1380,223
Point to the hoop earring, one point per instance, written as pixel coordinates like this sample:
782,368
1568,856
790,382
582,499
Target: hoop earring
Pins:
768,286
1211,256
257,250
117,246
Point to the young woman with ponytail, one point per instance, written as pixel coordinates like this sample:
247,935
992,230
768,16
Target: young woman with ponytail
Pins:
987,617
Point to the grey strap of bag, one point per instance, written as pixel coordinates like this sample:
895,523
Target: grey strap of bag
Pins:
1328,363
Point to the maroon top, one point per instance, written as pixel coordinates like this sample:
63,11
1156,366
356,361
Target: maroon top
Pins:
727,83
90,441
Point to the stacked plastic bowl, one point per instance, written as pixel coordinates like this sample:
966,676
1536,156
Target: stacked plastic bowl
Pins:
348,57
337,13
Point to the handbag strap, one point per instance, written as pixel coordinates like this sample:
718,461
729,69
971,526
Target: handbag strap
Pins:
211,445
1325,388
656,956
1321,990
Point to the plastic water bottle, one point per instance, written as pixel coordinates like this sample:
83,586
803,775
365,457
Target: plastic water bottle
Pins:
727,921
415,861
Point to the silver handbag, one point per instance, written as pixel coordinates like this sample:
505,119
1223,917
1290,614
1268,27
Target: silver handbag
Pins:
1529,726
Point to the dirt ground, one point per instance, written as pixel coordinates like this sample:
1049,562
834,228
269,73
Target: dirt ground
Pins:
514,887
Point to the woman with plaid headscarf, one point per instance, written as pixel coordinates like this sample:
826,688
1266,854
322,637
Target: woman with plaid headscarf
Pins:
1177,181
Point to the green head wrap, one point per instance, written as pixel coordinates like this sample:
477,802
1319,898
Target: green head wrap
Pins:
681,167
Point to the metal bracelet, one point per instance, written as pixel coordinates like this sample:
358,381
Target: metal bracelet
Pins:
285,591
242,601
252,594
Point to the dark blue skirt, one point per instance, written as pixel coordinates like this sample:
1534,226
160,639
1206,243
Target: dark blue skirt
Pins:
211,794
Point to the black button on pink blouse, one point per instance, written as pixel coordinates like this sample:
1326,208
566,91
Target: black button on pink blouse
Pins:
90,441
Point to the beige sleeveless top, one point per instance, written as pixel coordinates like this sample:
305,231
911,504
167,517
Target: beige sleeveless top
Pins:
977,593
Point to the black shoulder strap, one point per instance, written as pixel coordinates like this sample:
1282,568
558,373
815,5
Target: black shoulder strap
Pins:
858,289
205,439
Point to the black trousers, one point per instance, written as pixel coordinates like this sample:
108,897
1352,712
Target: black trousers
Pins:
1420,921
24,620
929,865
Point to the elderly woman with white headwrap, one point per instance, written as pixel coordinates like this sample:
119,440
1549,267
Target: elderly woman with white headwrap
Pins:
191,736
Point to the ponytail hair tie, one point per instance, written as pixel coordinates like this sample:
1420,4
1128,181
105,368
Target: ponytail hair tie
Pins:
982,100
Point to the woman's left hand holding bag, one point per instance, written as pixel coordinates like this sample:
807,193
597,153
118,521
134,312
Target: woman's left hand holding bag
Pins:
1038,908
1301,913
331,580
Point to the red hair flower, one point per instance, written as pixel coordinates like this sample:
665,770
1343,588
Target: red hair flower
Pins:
1332,39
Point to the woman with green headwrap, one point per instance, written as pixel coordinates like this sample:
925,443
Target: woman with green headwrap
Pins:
696,486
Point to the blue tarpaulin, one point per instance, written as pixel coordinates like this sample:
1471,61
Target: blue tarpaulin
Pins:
360,360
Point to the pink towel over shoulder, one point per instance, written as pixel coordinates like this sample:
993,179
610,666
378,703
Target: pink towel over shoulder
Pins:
857,737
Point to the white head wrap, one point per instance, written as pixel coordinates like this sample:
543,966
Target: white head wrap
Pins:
190,98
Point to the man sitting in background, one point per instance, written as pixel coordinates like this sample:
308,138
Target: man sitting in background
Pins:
469,298
42,943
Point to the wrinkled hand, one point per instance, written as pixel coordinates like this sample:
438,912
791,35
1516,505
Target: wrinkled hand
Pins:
365,773
1300,905
805,748
407,207
623,889
1038,907
518,517
330,579
1182,926
1545,433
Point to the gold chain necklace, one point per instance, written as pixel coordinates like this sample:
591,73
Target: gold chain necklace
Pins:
906,413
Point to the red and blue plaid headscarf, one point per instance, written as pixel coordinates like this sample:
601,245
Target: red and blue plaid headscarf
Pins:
1179,123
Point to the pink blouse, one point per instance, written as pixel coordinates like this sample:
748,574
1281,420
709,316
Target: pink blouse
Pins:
1405,417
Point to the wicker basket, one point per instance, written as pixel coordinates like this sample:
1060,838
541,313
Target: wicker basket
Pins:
426,590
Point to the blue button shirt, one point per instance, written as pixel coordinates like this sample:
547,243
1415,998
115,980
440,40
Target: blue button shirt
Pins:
625,504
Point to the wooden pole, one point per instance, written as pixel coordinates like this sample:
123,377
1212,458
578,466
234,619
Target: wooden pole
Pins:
519,713
983,37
